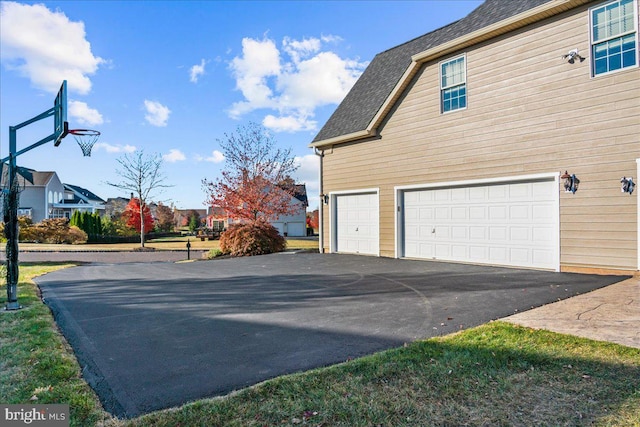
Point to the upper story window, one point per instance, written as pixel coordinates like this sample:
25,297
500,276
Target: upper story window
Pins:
453,84
614,36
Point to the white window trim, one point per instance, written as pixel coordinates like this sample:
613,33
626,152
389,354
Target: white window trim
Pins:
442,88
592,43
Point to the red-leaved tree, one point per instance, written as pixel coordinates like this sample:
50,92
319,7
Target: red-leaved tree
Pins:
132,216
312,219
255,183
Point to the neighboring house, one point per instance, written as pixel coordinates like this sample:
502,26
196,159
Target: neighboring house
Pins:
453,146
115,206
294,225
37,199
77,199
47,197
216,219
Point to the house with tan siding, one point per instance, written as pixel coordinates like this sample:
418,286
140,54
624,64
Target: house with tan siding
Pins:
505,138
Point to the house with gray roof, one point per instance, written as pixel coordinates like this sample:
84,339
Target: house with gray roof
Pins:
80,199
295,224
44,196
508,137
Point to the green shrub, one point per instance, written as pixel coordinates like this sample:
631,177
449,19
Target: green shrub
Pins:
75,236
256,238
90,223
214,253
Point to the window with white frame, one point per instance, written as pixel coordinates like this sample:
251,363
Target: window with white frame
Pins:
614,36
58,213
453,84
25,212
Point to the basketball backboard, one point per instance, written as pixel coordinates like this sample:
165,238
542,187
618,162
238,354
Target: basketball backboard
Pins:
61,126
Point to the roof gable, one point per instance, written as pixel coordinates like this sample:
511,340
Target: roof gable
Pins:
83,193
377,88
300,193
40,179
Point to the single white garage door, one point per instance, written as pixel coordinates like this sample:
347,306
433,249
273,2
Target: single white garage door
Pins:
512,224
355,224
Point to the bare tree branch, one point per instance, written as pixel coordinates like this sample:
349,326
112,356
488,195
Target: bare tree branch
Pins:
141,175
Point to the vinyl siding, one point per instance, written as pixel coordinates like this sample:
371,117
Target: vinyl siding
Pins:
529,112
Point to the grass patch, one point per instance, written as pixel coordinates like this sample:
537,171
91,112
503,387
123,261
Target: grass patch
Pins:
496,374
167,243
35,360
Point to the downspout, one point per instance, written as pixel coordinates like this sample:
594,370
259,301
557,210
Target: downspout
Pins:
320,154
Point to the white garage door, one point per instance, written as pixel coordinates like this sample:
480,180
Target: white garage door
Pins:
356,223
293,229
503,224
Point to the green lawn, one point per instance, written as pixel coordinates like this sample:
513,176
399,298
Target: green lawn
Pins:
168,243
496,374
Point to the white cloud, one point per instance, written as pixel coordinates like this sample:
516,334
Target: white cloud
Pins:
173,156
84,114
109,148
331,39
298,49
292,81
46,47
288,123
216,157
157,114
196,71
260,60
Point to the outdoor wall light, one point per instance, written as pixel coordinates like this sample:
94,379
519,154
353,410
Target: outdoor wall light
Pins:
572,55
571,182
325,198
627,185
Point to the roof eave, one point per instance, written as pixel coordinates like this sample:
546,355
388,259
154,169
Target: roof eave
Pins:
343,138
520,20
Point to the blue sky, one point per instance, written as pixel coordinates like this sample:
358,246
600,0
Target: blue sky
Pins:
172,77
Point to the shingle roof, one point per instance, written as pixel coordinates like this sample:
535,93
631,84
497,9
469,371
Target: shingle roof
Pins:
84,192
40,179
385,70
300,193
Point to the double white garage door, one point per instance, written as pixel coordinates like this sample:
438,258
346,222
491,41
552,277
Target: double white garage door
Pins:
514,224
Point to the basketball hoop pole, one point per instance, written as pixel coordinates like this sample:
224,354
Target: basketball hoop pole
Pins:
11,200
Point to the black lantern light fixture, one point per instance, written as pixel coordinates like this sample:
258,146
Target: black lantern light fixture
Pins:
571,182
627,185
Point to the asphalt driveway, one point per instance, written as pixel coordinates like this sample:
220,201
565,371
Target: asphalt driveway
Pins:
154,335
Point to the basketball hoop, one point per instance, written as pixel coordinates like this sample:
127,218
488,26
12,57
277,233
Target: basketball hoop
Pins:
85,139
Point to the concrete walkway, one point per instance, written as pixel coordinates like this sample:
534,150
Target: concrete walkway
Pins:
609,314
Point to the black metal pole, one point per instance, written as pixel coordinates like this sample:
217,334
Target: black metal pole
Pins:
11,227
